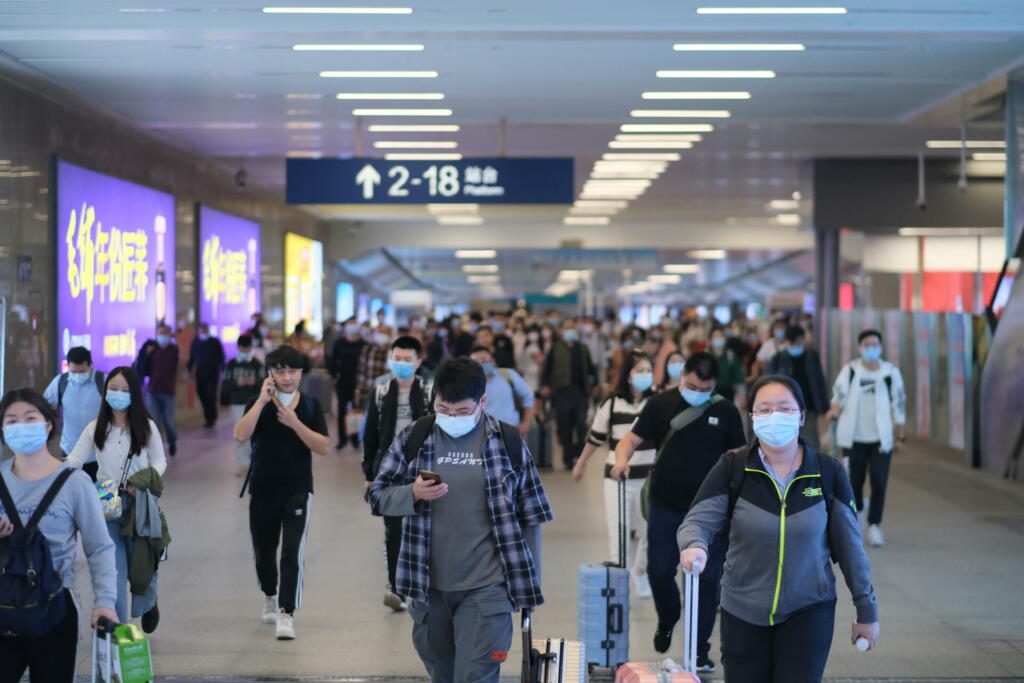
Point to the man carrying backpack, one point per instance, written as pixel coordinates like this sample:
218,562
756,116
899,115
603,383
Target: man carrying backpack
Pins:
399,399
473,504
285,428
77,395
870,404
509,397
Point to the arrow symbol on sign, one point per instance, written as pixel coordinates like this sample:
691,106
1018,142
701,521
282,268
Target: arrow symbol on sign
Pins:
368,177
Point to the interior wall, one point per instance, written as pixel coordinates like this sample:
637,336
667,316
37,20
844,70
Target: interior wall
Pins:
39,121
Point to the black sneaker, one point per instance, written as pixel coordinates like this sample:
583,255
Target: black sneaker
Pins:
151,619
663,639
705,665
174,450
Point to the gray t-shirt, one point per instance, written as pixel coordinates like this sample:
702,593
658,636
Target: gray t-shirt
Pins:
404,414
463,552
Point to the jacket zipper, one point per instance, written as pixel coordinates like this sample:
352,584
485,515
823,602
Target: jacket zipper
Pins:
782,532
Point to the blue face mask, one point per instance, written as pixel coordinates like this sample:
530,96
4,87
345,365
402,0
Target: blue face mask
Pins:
203,336
442,332
402,370
696,398
779,334
25,437
456,425
163,339
488,368
628,344
642,381
871,354
351,330
78,377
553,322
571,335
777,429
795,351
244,357
118,400
675,370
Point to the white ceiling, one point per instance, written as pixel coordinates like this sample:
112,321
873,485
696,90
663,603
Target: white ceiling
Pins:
213,76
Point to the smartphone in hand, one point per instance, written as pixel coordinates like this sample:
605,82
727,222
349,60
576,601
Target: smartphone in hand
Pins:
427,475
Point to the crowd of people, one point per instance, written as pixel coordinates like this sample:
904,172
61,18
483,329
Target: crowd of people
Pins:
454,419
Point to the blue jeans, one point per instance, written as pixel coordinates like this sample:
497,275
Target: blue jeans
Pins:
123,549
161,407
662,565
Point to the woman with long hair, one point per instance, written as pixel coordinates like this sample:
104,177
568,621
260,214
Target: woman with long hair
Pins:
28,424
674,364
130,454
611,422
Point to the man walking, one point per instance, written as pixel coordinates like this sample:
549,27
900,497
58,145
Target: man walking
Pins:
205,363
568,378
694,428
344,368
162,369
471,537
509,398
803,364
77,395
243,380
870,403
285,427
399,399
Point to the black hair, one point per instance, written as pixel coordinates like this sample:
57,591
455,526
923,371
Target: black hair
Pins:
476,317
33,397
244,340
300,327
162,326
286,357
481,347
780,321
788,382
869,333
79,355
485,328
703,364
794,332
459,379
623,388
409,344
138,417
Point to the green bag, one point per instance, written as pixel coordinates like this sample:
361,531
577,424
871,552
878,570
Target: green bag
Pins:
678,423
122,656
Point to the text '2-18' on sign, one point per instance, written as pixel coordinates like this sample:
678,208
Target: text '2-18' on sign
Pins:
481,181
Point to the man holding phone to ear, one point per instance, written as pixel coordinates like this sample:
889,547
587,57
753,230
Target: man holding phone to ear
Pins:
470,551
285,428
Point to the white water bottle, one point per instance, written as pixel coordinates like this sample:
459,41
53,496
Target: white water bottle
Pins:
863,644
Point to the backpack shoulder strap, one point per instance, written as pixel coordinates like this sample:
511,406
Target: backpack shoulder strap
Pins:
853,374
62,386
9,507
48,497
101,380
420,431
513,446
736,477
504,373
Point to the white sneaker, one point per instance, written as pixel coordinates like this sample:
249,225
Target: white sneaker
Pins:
393,601
642,585
285,626
270,610
875,537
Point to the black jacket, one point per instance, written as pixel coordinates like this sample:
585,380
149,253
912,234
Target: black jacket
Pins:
819,399
206,357
381,418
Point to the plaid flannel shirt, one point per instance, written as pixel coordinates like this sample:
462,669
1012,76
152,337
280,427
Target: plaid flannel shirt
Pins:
514,503
372,364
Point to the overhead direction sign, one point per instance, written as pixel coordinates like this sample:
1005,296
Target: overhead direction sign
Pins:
479,180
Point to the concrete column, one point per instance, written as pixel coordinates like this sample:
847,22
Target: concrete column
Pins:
826,268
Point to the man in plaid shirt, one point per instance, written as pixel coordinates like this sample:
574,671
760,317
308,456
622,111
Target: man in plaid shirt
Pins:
373,362
470,543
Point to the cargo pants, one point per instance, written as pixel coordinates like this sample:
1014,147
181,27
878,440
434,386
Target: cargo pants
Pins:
463,636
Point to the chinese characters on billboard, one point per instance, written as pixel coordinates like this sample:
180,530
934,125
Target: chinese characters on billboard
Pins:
303,283
229,275
115,264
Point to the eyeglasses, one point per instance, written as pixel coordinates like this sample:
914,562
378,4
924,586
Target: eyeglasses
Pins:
765,412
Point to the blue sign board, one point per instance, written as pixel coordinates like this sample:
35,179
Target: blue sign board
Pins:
476,181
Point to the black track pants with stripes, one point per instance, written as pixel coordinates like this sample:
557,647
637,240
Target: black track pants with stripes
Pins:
280,519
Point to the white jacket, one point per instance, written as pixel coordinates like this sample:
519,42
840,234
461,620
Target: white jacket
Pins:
890,396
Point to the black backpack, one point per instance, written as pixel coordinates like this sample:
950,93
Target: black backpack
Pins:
510,438
31,589
62,386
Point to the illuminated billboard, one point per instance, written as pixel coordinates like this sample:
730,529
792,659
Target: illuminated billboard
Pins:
303,283
229,275
115,264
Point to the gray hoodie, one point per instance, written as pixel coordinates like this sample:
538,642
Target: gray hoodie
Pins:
781,540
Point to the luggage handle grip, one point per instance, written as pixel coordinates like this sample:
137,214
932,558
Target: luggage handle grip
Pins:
615,614
106,626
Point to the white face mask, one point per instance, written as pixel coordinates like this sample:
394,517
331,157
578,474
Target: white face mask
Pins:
456,425
283,398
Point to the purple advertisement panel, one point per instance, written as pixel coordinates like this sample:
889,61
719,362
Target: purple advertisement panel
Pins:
229,275
115,264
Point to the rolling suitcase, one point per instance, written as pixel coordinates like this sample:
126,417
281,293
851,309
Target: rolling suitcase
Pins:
538,440
120,654
667,671
554,660
603,617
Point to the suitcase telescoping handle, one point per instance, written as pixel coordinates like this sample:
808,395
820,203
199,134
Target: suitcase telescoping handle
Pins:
691,597
623,535
527,628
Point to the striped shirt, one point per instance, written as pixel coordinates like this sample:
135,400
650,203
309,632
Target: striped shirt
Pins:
612,421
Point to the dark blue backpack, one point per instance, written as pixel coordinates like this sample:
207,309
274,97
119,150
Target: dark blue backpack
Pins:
32,599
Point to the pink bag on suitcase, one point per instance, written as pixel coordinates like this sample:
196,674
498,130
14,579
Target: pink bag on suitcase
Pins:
656,672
